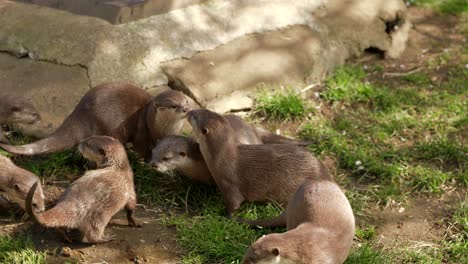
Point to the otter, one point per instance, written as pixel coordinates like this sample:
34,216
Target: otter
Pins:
183,154
269,172
119,110
91,201
320,225
16,110
15,183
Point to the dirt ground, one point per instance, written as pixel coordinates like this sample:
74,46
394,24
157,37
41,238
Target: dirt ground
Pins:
418,220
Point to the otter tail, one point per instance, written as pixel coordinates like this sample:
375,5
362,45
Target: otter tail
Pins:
279,221
35,216
49,218
49,144
271,138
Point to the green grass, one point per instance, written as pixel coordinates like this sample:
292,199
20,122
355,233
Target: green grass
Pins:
19,250
366,253
418,79
390,141
444,6
285,104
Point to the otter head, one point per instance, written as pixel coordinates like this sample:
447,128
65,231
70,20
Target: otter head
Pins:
267,250
208,125
171,153
15,183
166,112
16,110
104,151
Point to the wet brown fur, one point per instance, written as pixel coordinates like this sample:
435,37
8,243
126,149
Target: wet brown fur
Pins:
270,172
183,154
119,110
91,201
320,225
15,183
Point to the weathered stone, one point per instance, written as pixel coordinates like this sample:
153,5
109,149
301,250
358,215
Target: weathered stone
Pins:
222,79
116,11
53,89
217,51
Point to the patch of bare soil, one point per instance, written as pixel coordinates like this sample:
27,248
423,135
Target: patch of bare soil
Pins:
420,223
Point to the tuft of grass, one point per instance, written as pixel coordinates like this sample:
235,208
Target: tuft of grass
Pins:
285,104
212,238
418,79
215,237
453,7
365,253
56,165
20,250
456,246
348,85
365,234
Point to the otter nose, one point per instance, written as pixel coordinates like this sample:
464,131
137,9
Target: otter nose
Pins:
154,165
186,109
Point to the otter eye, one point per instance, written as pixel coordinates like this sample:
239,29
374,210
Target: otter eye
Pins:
205,131
165,159
173,106
182,154
275,252
102,151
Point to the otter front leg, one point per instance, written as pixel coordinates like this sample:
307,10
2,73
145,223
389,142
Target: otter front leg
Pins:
232,200
130,208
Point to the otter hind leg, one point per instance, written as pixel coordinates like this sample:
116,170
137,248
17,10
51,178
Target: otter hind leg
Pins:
130,208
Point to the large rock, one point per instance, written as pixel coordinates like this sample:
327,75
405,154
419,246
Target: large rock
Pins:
53,88
214,51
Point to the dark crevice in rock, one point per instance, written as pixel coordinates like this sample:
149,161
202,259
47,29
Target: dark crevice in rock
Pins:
24,54
176,84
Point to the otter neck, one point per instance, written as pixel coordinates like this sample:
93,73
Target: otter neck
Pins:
222,155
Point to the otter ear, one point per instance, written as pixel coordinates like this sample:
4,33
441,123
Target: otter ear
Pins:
275,252
17,188
205,131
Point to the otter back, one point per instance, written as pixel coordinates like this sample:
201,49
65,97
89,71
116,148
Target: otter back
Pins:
251,172
320,225
91,201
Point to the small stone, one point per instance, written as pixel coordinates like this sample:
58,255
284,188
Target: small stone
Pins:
278,132
360,168
401,210
358,162
66,251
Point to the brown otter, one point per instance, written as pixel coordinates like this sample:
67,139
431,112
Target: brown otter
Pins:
91,201
16,110
15,183
183,154
270,172
320,225
119,110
